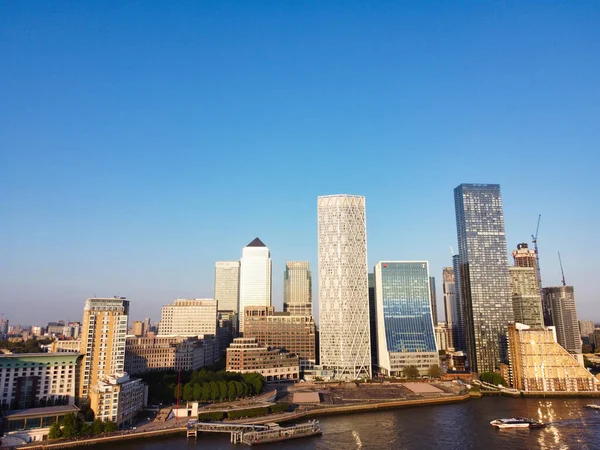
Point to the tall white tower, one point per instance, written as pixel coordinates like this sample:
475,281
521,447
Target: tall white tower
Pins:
255,277
343,286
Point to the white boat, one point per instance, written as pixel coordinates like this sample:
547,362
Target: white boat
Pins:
517,422
593,406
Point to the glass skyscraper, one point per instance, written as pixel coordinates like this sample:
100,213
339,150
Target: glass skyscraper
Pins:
483,270
405,329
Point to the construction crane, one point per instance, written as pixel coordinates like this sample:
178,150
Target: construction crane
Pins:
564,283
537,255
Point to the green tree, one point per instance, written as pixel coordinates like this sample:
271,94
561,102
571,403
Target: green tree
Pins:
110,427
206,392
411,372
197,391
70,426
434,371
239,389
222,390
54,432
231,390
188,392
214,390
97,427
493,378
85,429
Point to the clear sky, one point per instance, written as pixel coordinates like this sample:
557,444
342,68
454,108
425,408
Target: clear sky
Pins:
140,142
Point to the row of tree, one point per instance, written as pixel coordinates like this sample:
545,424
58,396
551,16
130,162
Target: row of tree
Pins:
73,426
29,346
219,386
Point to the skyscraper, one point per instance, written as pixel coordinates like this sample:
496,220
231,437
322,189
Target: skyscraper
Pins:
433,300
343,286
255,277
227,285
373,321
297,288
102,340
405,329
450,303
526,298
460,331
484,282
561,301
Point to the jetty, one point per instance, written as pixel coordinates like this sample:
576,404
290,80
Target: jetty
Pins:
253,433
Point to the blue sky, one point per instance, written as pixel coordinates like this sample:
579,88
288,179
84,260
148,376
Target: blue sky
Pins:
140,142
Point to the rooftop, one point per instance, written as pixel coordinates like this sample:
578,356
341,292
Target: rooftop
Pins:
256,243
37,412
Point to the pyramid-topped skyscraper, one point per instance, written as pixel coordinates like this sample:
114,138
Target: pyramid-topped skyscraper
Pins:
255,277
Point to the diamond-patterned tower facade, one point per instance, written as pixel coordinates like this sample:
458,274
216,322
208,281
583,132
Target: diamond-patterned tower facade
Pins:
343,287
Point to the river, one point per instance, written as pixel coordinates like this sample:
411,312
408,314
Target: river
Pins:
454,426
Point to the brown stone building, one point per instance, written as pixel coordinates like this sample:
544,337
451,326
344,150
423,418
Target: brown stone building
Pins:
245,355
291,333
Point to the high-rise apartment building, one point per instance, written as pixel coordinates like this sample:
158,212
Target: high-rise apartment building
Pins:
484,280
539,364
433,299
405,328
102,340
294,334
189,317
526,298
523,256
561,301
227,285
450,305
255,277
586,328
138,328
297,288
343,286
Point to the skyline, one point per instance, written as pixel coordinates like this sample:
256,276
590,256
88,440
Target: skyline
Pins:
144,142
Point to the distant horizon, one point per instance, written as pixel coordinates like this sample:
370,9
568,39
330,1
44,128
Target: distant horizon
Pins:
143,142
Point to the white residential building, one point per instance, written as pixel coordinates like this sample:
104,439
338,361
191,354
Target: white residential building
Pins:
189,317
343,287
255,277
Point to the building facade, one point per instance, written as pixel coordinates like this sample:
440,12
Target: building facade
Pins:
539,364
484,279
138,328
433,294
291,333
373,322
255,277
102,340
151,354
31,380
297,288
405,329
526,298
189,317
245,355
460,329
227,285
561,302
343,287
118,398
586,328
450,303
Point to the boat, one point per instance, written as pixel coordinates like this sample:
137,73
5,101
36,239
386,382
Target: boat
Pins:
277,433
593,406
517,422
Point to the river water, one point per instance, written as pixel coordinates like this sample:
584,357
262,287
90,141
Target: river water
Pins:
454,426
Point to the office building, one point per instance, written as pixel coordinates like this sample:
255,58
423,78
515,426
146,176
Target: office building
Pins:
460,330
3,328
526,298
343,287
484,279
55,328
245,355
561,302
523,256
255,277
227,324
189,317
227,285
102,340
297,288
372,322
31,380
433,299
450,303
405,330
586,328
291,333
138,328
539,364
151,354
147,326
443,337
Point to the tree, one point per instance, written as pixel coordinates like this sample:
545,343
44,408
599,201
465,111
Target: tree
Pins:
434,371
239,389
222,390
70,426
188,392
231,390
197,391
411,372
85,430
110,426
54,432
492,378
214,390
97,427
205,392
